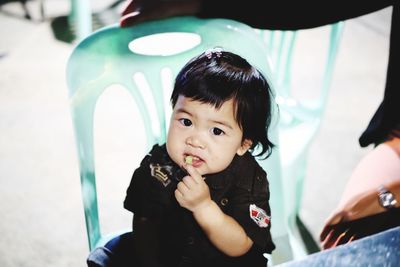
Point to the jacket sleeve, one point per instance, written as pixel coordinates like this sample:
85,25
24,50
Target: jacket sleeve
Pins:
250,207
146,196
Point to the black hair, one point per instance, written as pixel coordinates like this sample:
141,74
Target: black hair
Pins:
217,76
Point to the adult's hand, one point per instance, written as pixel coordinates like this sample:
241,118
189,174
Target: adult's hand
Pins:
137,11
359,206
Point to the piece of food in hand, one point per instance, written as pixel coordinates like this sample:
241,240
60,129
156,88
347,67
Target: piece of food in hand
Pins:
189,160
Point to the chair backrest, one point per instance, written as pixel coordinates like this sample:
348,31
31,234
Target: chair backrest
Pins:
301,107
105,58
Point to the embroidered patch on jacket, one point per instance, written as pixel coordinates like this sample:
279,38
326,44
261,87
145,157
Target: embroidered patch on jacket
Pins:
259,216
161,173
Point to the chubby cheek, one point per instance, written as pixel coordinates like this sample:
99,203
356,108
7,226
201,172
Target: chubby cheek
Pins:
174,149
220,162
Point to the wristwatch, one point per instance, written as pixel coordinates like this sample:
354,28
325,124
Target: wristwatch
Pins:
386,198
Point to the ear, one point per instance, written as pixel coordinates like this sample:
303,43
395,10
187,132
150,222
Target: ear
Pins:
246,144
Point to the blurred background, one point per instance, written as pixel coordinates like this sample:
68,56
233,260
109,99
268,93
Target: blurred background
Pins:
42,221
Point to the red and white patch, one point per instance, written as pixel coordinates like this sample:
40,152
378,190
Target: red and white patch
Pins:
259,216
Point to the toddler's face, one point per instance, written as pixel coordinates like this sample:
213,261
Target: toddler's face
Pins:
211,136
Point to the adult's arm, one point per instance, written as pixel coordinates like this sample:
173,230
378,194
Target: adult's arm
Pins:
361,206
289,15
262,14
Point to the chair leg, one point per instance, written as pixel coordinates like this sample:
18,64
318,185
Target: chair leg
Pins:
41,9
25,8
308,240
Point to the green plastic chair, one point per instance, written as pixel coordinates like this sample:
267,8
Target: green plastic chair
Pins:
300,118
80,18
104,58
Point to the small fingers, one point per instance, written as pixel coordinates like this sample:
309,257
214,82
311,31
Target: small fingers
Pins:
182,188
193,173
178,194
179,197
189,181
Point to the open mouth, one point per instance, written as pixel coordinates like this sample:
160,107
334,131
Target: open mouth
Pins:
193,160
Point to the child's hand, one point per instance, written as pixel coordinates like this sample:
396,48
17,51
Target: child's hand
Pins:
192,192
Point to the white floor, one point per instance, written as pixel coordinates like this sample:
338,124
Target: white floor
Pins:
42,221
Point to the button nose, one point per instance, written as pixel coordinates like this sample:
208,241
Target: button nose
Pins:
194,142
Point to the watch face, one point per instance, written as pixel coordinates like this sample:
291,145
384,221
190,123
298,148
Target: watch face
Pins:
387,200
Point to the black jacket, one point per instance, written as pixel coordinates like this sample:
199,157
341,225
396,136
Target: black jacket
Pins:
177,238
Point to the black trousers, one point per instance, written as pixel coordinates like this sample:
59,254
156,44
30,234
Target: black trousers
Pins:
118,252
121,252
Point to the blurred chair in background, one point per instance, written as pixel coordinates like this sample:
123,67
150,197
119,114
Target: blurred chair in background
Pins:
301,112
27,13
115,55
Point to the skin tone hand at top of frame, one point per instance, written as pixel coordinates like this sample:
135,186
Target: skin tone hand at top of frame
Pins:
137,11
